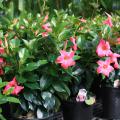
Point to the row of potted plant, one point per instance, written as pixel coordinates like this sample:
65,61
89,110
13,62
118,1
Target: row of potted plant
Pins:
48,60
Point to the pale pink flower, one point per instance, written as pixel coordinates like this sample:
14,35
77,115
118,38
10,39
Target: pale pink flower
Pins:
44,34
113,59
108,21
83,20
66,59
103,48
47,27
73,40
104,67
82,95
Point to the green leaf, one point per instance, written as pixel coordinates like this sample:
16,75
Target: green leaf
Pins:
12,99
76,57
61,87
45,82
28,96
14,43
32,86
90,101
34,65
9,91
23,54
46,94
21,5
21,79
2,117
3,84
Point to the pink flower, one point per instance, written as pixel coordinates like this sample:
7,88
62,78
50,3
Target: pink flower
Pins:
1,71
66,59
83,20
82,95
2,51
103,48
17,89
108,21
13,84
45,19
1,60
44,34
113,59
47,27
72,39
118,40
1,42
104,67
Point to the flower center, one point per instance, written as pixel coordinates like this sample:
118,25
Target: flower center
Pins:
104,47
105,66
66,58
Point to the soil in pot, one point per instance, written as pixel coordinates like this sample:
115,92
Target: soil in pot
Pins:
76,111
111,103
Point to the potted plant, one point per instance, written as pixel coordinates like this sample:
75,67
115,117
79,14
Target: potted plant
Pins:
108,65
30,50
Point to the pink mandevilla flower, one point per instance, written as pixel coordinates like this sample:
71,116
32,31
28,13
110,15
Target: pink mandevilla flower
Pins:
108,21
103,48
13,84
1,71
82,95
83,20
104,67
73,40
118,40
113,59
47,27
2,51
45,19
66,59
44,34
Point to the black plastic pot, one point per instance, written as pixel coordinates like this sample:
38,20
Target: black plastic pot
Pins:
55,116
111,103
76,111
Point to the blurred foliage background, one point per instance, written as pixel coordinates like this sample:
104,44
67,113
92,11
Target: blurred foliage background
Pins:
86,8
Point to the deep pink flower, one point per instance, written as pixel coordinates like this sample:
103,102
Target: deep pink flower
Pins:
17,89
47,27
73,40
104,67
108,21
83,20
82,95
13,84
1,71
113,59
2,51
103,48
44,34
66,59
